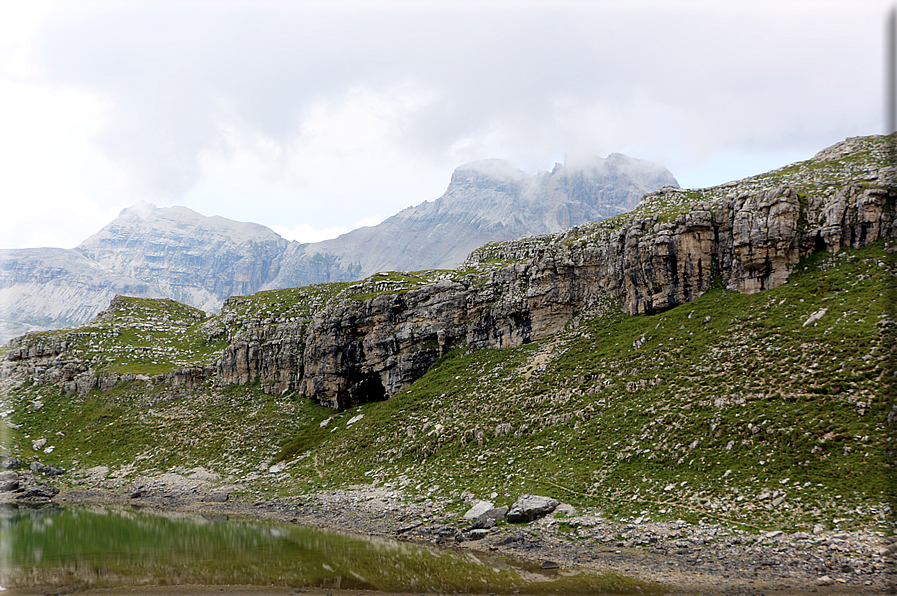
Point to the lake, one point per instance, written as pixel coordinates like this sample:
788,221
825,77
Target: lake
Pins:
88,548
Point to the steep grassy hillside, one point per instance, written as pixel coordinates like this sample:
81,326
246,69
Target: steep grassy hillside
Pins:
764,409
767,410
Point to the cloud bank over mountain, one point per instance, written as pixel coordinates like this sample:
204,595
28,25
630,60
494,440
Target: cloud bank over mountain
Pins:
178,253
327,114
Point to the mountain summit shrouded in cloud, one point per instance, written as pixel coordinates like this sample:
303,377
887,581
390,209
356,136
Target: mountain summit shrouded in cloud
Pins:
199,260
328,114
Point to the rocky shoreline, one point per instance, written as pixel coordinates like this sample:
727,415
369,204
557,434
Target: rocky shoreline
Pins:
683,557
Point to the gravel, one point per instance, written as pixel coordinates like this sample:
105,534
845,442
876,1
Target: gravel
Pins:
686,558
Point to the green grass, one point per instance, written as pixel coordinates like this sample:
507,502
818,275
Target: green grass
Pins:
235,428
747,403
732,407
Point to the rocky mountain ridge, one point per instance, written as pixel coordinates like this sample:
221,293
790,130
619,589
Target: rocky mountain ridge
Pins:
668,252
759,410
489,201
345,344
201,261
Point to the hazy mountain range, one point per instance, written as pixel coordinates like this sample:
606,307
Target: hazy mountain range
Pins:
177,253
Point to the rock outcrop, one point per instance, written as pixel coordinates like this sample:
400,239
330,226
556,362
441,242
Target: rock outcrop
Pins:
270,355
342,344
201,261
669,251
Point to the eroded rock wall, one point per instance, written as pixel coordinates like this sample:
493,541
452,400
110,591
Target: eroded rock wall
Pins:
270,355
358,351
342,344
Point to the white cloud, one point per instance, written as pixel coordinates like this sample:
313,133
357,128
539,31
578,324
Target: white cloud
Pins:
312,116
17,28
55,183
344,163
306,233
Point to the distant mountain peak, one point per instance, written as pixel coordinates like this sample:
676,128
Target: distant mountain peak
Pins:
178,253
141,209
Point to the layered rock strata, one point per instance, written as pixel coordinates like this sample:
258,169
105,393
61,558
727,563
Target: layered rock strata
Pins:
342,344
358,351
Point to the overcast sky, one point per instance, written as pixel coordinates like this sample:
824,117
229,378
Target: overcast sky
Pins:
316,117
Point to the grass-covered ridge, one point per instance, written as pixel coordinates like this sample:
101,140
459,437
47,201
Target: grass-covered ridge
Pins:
271,307
140,336
864,162
732,407
768,410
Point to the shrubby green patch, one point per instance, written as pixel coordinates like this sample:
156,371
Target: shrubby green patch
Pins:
764,410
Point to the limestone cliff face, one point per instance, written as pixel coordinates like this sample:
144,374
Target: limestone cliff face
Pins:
201,261
374,338
360,351
667,252
346,343
270,355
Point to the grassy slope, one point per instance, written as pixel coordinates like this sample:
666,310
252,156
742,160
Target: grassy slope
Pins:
730,403
142,336
726,408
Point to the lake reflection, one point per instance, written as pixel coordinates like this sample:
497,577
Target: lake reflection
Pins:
105,546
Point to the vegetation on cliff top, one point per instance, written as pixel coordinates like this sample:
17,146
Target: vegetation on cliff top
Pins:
766,410
140,336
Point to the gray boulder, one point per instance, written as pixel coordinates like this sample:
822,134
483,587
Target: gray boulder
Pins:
488,518
39,492
530,507
479,508
39,468
9,481
11,463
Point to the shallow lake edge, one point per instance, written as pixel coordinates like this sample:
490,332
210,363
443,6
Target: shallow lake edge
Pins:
691,571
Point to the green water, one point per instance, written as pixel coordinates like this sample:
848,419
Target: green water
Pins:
80,548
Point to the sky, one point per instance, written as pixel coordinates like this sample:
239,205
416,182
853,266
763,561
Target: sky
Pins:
314,118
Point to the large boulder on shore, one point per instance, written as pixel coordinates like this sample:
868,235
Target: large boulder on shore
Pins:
530,507
39,493
488,519
478,509
9,481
